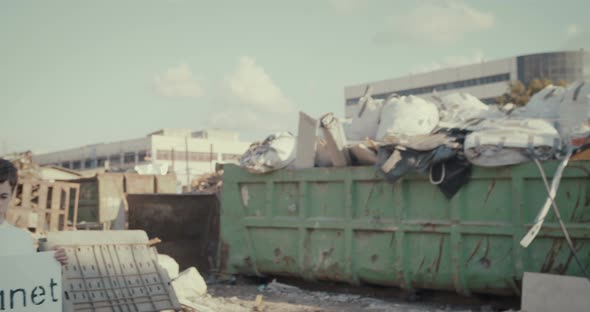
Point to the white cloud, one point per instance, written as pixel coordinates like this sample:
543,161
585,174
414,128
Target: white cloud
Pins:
252,122
347,5
453,61
572,30
251,85
178,82
437,22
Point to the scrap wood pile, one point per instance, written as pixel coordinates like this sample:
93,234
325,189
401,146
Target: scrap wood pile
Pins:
441,137
208,183
27,169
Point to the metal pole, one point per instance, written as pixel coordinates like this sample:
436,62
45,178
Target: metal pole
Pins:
211,157
186,161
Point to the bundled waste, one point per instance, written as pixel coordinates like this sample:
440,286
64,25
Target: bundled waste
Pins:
442,137
277,151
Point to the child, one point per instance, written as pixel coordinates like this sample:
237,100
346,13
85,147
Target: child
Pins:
14,241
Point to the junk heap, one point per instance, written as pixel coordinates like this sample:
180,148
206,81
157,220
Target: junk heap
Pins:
441,137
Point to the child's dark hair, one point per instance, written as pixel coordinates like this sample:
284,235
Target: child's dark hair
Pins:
8,172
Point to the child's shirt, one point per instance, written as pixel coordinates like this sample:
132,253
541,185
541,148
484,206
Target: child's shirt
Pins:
14,241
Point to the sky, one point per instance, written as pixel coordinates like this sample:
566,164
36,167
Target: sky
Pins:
74,73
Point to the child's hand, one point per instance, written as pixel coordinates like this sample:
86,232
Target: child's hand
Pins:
60,255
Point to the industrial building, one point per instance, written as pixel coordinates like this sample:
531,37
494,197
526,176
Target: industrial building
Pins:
486,80
188,154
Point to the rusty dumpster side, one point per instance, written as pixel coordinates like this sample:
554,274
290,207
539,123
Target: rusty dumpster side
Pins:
349,225
187,224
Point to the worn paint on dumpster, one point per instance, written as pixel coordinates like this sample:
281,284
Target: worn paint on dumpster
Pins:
348,224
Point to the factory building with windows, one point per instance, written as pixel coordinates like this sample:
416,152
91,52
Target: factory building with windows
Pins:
188,154
486,80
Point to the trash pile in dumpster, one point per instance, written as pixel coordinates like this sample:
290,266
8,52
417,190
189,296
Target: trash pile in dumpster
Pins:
442,137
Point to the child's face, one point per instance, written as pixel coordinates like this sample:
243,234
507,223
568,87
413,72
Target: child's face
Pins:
5,197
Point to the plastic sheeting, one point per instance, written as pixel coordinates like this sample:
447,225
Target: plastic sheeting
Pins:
457,108
277,151
502,142
545,104
407,116
575,113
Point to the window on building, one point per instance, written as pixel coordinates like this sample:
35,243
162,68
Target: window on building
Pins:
100,161
129,158
201,156
226,157
76,164
163,155
88,163
141,156
65,164
115,159
179,155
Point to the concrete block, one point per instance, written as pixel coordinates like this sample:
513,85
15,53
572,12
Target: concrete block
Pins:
549,293
190,285
169,265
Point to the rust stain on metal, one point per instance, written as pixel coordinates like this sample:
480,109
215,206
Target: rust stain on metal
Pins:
288,260
568,194
475,250
569,259
440,250
490,190
421,263
485,263
551,255
277,252
429,226
374,258
577,202
224,255
248,261
368,199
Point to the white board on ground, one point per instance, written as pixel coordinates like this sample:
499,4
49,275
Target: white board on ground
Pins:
30,283
550,293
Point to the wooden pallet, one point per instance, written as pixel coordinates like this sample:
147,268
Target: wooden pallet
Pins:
43,206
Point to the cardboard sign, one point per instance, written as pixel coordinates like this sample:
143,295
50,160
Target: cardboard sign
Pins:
30,283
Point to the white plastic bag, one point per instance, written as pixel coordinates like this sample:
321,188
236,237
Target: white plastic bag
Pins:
460,107
575,113
277,151
407,116
502,142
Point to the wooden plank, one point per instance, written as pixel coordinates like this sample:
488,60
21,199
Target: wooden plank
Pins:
76,203
26,195
55,208
42,205
66,208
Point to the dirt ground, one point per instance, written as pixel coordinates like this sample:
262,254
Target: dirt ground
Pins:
241,295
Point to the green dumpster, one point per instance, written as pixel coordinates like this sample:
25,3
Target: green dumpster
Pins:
349,225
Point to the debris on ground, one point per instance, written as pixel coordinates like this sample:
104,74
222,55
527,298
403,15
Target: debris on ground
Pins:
276,296
208,183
